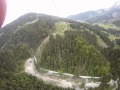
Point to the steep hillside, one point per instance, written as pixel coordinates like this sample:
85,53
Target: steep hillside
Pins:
18,41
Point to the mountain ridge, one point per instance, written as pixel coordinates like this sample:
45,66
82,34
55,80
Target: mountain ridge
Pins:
99,15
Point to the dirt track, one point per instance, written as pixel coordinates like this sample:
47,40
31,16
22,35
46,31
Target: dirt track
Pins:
30,68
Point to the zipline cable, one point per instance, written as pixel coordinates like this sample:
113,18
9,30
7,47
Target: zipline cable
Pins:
55,7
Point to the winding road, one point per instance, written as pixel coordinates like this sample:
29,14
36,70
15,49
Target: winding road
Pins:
30,68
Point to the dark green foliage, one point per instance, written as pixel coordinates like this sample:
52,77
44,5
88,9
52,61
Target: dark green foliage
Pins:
21,52
73,54
9,60
26,82
10,68
114,58
76,52
7,63
113,55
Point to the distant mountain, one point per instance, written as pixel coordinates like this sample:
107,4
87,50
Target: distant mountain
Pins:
101,15
83,16
59,44
86,15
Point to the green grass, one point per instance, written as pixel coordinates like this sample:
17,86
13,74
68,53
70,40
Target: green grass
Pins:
60,27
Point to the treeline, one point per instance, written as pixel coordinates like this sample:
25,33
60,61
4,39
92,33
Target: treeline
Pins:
73,54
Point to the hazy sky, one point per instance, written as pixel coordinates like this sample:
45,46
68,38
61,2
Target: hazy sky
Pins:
61,8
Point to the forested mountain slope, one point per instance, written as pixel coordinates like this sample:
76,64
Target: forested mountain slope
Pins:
59,44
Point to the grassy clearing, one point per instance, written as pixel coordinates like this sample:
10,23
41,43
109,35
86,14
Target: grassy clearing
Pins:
60,27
